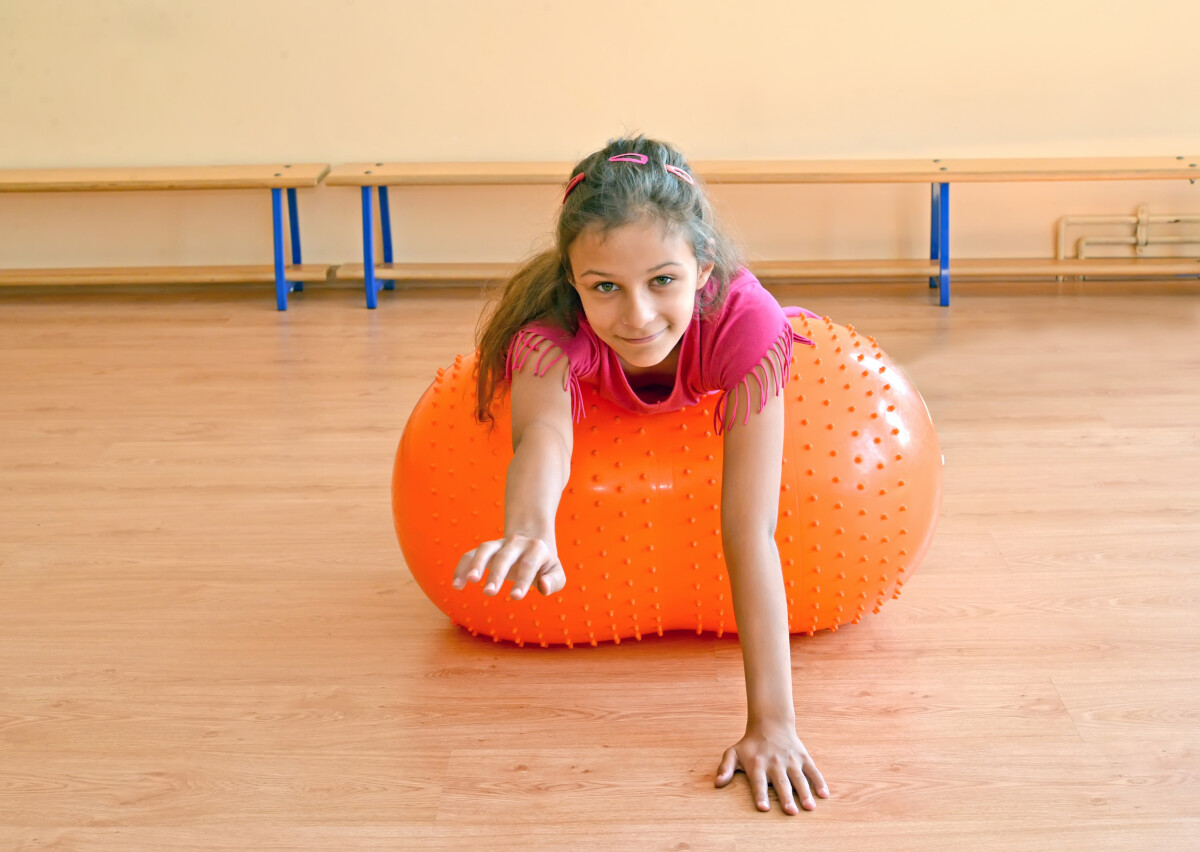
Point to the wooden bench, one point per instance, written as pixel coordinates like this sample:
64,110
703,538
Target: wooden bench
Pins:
276,178
939,174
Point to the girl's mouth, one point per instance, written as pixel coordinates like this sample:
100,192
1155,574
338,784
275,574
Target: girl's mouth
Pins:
638,341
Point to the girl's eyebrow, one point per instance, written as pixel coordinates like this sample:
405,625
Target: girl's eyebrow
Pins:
651,269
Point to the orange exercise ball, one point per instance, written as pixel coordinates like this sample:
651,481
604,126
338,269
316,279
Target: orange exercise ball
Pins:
638,526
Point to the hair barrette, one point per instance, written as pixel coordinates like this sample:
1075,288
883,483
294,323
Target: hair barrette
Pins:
575,181
630,157
679,173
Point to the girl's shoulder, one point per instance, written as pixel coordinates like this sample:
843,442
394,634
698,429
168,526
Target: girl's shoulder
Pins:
549,341
748,318
543,344
572,343
745,297
749,325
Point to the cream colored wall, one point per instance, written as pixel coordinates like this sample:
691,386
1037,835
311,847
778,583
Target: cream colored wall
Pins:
141,82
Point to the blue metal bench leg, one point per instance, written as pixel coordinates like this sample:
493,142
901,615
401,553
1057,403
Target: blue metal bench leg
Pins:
294,222
934,231
281,283
943,244
385,225
370,283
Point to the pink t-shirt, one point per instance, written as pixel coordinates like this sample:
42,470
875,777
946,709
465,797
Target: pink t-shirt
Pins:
719,351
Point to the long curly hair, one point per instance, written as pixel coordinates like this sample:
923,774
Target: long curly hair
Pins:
609,195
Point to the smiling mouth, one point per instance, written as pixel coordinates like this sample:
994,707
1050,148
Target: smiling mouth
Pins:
640,340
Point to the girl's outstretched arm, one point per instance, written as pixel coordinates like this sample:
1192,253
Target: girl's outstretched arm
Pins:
770,753
542,436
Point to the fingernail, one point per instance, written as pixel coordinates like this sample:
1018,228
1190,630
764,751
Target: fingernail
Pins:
517,594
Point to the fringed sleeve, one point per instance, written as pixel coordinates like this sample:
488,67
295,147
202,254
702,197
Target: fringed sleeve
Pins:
761,331
534,343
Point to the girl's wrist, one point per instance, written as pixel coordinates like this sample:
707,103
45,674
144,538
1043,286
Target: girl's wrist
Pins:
771,726
528,529
780,714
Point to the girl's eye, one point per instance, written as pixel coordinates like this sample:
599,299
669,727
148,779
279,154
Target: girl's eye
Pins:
663,280
606,287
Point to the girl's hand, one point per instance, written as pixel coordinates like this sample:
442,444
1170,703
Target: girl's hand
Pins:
519,558
778,758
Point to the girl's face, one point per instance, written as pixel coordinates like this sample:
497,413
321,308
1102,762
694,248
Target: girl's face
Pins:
638,285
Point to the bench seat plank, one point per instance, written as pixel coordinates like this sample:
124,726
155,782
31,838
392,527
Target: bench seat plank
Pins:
248,274
275,176
819,171
788,171
948,171
448,174
979,267
428,271
1074,168
1107,267
768,270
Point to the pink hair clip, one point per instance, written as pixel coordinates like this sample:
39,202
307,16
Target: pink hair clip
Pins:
575,181
639,159
679,173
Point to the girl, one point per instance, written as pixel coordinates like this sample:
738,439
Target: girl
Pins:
645,298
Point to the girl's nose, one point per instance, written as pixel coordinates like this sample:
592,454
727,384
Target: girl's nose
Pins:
638,310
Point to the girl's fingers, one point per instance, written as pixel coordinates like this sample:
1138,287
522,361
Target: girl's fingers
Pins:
471,566
814,778
499,566
758,788
790,771
531,563
728,767
552,580
797,780
524,561
460,570
783,789
819,786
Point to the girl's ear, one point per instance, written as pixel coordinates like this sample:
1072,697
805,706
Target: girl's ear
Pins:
702,278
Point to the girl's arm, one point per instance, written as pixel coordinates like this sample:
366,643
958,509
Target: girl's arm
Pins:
770,752
542,436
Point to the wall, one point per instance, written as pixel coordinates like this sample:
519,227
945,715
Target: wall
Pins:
144,82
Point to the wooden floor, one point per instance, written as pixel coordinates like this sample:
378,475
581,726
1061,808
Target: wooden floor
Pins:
208,639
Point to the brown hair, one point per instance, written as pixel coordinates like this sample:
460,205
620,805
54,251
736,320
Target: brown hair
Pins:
609,196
